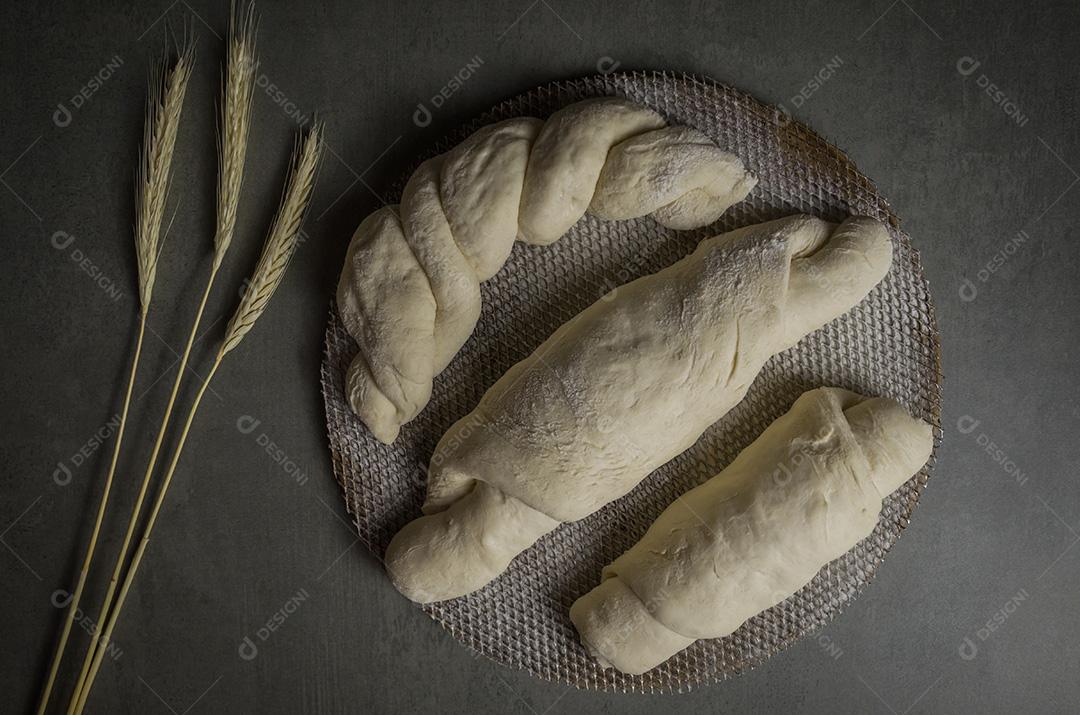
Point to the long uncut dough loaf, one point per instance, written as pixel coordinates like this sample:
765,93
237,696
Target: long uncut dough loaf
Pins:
803,493
409,293
622,388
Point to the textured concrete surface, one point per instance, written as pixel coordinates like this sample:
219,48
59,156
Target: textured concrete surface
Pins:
964,114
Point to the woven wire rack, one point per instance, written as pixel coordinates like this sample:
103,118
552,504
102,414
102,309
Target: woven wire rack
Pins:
888,345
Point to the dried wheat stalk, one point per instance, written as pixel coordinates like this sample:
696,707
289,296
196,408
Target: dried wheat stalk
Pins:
159,139
238,85
280,245
282,240
239,80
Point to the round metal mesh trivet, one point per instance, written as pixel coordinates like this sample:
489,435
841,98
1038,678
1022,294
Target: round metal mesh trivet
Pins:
887,345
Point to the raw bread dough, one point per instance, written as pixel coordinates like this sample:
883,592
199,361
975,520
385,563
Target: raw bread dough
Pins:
621,389
676,174
409,293
805,492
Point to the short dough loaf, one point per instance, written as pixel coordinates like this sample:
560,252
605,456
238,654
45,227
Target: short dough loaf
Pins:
801,495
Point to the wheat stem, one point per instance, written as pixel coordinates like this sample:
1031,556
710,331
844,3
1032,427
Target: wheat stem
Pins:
155,510
152,185
238,83
73,606
277,251
95,643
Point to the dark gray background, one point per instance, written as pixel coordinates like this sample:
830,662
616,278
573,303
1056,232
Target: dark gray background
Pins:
997,528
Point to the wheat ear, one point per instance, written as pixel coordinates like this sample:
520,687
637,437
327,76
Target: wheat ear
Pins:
238,85
235,121
159,141
152,184
280,245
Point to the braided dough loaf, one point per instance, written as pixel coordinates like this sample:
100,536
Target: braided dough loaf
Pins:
807,490
409,293
622,388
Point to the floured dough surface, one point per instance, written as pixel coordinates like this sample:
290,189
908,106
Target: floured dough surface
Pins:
675,173
636,378
481,191
391,373
803,493
567,161
626,385
461,212
885,346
